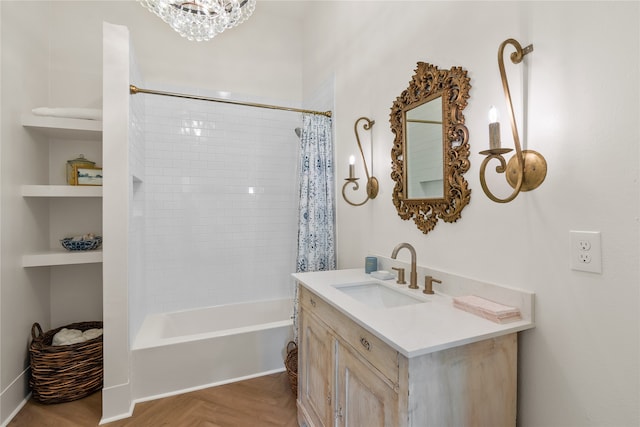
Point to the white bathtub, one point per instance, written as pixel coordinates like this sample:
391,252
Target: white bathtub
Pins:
188,350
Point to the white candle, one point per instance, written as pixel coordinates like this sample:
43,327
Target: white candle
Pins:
352,162
494,128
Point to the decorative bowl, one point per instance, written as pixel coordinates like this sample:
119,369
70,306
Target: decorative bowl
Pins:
81,245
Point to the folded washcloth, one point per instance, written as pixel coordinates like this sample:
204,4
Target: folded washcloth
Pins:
490,310
72,113
73,336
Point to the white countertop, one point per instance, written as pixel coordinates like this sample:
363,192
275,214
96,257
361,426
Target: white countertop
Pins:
414,329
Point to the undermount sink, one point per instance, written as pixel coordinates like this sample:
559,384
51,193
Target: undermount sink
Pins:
377,295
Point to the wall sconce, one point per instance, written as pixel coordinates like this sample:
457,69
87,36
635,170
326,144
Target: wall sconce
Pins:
527,169
372,181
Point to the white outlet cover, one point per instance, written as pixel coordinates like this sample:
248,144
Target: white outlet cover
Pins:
585,251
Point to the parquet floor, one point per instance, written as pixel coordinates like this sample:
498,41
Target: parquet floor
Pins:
264,401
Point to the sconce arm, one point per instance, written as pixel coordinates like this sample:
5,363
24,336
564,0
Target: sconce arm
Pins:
356,186
366,126
372,182
502,168
516,58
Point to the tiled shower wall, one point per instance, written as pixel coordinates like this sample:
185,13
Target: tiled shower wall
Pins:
220,192
138,302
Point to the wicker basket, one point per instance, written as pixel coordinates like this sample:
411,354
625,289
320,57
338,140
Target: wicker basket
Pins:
66,372
291,363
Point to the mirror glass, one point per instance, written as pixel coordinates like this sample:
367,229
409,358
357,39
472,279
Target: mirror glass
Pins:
423,139
430,150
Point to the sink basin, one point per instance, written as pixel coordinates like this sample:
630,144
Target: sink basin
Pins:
376,295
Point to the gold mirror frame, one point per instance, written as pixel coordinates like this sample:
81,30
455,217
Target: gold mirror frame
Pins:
428,83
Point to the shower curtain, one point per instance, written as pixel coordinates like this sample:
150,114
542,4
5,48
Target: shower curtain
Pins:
316,219
316,216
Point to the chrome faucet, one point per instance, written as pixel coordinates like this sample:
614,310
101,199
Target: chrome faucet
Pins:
413,281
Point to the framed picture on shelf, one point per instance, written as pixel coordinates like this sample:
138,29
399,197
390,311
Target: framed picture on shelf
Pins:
88,175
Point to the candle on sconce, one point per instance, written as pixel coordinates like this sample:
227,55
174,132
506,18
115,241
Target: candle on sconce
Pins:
494,128
352,162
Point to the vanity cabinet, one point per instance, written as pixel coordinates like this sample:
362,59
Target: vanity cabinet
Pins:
347,376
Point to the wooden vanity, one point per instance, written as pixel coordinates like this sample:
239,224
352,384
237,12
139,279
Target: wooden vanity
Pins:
350,374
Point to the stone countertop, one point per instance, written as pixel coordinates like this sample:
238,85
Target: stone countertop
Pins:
421,328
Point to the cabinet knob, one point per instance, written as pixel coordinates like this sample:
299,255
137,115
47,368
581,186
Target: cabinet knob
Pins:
313,302
365,343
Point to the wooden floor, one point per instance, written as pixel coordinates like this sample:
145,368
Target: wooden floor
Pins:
263,401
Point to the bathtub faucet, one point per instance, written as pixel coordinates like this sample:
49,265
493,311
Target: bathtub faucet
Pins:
413,282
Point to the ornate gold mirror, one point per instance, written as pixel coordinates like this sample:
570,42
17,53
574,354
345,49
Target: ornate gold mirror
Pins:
431,147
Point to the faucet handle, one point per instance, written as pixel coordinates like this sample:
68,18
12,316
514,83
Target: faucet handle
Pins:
400,271
428,284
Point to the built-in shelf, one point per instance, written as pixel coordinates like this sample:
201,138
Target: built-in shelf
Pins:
65,128
61,257
61,191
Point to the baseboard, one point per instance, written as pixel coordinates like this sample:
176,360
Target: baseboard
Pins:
116,403
209,385
14,397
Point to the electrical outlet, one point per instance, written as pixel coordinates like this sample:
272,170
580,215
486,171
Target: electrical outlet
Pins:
584,244
586,253
584,258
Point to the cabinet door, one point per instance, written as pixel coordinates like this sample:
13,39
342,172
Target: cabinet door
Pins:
316,366
364,397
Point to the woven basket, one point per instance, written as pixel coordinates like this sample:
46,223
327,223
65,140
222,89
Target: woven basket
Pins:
66,372
291,363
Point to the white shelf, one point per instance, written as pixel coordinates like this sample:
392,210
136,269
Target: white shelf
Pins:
61,257
65,128
61,191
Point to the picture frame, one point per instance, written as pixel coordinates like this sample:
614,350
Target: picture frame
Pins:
87,175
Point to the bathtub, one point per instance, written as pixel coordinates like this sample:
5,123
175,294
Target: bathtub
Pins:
189,350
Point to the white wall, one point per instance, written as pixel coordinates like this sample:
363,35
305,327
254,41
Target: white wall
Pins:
258,59
579,367
24,293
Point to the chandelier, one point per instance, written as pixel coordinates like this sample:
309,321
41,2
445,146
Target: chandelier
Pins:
201,20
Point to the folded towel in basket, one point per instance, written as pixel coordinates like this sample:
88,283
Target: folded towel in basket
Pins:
490,310
71,113
73,336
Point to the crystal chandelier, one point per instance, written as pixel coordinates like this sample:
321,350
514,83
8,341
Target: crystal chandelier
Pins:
201,19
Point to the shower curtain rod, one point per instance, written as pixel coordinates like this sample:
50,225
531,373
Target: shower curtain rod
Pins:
134,89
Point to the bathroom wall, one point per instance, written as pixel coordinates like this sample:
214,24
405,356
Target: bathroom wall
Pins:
24,293
262,59
220,201
138,298
579,367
